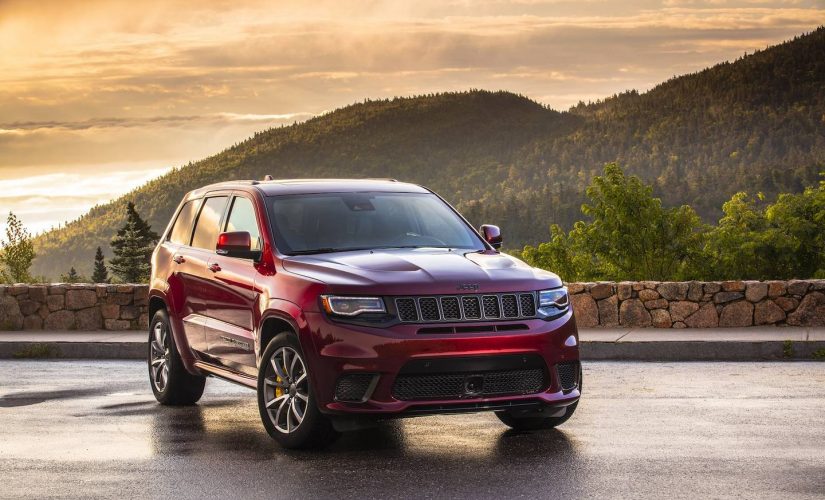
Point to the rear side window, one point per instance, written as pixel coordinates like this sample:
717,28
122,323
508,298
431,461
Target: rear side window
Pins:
207,227
182,230
242,218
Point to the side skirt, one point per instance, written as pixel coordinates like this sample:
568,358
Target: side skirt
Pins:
231,376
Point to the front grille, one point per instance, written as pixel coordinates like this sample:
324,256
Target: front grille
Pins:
353,387
458,308
454,385
406,309
568,375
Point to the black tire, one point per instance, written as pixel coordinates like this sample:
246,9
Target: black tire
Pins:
314,430
180,386
534,423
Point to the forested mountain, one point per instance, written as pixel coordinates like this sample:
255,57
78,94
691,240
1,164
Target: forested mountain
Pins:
756,124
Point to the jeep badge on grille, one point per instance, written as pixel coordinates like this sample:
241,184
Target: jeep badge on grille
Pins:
467,287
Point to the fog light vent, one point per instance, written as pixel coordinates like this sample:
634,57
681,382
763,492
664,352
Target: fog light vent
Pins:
354,387
568,375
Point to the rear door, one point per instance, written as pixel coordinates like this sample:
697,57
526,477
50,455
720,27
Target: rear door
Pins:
198,283
181,266
230,328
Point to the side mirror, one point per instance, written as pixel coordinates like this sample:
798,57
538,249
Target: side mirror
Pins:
492,235
236,244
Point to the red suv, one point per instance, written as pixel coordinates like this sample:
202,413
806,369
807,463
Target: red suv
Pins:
344,302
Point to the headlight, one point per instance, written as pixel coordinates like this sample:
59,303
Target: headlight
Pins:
555,300
352,306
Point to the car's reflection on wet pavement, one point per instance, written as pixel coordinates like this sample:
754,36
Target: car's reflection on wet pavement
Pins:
92,429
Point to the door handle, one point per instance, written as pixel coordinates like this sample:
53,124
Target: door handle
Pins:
178,259
214,267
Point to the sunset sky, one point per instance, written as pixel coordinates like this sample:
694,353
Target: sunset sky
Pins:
97,97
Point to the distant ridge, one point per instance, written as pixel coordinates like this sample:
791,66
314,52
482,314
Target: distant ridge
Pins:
755,124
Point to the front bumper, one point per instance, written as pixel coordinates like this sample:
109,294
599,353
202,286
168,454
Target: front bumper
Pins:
334,349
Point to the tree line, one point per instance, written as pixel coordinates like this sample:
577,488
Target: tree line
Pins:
132,247
629,235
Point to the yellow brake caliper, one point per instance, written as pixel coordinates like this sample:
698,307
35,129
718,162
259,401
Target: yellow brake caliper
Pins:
279,391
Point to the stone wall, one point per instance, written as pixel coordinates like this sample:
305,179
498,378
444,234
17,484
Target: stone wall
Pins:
627,304
695,304
73,307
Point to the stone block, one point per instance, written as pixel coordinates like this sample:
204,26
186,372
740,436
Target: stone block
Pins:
678,324
59,289
733,286
575,288
811,311
80,299
712,287
624,290
673,290
38,293
680,310
143,321
55,302
776,288
28,307
60,320
633,313
89,319
646,294
755,291
110,311
767,313
601,290
129,312
656,304
660,318
786,303
585,310
694,292
723,297
737,314
798,287
609,311
17,289
705,317
33,322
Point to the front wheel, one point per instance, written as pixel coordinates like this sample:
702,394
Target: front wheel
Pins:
171,383
286,400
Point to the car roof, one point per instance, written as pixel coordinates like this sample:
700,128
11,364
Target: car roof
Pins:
312,186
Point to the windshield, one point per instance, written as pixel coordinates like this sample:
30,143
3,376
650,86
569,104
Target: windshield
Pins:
335,222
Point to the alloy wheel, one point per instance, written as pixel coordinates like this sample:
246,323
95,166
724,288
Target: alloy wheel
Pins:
286,390
160,353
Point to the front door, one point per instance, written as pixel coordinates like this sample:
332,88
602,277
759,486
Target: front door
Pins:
231,325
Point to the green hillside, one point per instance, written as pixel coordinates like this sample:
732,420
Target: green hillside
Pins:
756,124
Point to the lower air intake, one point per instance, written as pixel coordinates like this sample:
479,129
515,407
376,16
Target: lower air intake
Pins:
463,385
568,375
353,387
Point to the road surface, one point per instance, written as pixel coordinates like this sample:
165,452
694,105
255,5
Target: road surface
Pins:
655,430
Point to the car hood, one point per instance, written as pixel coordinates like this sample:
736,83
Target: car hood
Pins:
420,271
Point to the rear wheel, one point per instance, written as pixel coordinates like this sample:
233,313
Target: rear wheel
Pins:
171,383
286,400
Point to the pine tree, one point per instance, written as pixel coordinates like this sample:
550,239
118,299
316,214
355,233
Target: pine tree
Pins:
17,253
133,248
100,273
72,277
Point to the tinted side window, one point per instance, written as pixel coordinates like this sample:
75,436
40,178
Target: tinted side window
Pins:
206,229
242,218
182,230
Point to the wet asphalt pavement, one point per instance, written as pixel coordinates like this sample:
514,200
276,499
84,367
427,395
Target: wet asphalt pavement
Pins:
657,430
